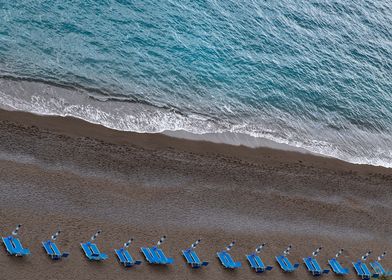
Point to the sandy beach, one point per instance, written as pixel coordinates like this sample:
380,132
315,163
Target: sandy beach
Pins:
64,173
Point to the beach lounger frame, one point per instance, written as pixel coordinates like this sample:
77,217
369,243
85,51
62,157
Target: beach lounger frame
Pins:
257,264
125,257
285,264
227,260
92,252
363,271
53,251
337,268
155,255
379,269
14,246
313,266
193,259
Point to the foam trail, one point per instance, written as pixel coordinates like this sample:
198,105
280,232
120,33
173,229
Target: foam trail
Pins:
125,116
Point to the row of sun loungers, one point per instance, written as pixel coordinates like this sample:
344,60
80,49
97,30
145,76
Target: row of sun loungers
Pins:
155,255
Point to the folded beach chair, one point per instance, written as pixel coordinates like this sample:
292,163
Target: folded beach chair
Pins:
125,257
337,267
362,270
91,250
51,248
255,261
155,255
285,263
13,245
312,264
379,269
226,259
192,258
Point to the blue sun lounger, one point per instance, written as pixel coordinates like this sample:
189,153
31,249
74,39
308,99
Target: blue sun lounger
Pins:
155,255
193,259
150,257
337,267
161,256
362,271
227,261
14,246
53,251
125,257
257,264
313,266
92,252
285,264
379,269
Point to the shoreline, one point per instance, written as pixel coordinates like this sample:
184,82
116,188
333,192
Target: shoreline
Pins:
133,116
242,141
68,174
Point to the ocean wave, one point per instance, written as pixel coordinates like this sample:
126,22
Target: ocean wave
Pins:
313,74
49,99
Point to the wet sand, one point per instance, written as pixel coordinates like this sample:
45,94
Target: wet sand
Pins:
64,173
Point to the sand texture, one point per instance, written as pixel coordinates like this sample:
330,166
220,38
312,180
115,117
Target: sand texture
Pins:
63,173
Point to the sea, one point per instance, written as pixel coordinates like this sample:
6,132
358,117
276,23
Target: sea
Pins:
311,74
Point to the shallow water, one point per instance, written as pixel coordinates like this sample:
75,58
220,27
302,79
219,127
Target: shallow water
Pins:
310,74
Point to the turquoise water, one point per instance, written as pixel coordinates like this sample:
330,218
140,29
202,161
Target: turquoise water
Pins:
312,74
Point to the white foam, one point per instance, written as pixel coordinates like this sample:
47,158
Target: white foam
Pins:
360,147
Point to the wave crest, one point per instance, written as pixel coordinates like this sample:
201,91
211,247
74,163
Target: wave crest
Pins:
352,145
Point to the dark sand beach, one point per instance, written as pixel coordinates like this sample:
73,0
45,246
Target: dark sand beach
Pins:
64,173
